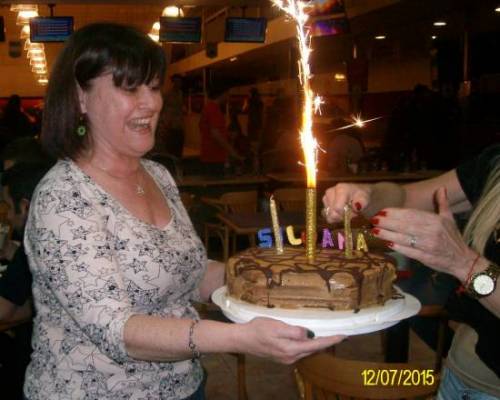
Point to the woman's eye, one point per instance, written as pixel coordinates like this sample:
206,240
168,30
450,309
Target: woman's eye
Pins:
155,88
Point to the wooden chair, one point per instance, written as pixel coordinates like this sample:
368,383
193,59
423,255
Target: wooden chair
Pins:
290,199
231,202
325,376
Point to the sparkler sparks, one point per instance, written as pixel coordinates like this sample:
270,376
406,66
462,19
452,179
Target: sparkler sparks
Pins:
295,9
357,121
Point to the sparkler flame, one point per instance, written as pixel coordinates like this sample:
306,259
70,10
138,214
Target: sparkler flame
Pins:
295,9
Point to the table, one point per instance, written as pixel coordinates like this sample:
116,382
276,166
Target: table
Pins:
251,223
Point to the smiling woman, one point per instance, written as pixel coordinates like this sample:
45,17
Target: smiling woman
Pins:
115,259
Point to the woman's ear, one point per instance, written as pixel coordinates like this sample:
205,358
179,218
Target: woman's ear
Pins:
82,99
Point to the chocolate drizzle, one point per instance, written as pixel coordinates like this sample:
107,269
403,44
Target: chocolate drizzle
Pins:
328,264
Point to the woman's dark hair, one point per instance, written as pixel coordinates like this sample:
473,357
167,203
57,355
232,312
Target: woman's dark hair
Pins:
130,56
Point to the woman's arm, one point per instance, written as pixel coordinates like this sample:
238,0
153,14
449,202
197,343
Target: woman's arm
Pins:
158,339
370,199
420,195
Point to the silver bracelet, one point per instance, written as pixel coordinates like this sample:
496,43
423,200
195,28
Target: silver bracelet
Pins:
191,344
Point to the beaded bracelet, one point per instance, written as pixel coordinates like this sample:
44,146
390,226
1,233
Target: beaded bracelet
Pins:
191,344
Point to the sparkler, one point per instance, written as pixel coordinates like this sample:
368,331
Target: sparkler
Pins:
295,9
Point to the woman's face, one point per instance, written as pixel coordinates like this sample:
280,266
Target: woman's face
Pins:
121,121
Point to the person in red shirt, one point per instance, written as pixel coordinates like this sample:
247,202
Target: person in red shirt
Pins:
216,148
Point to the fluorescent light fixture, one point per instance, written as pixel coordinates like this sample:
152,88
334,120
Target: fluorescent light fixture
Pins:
23,7
172,11
339,77
23,18
25,32
380,37
155,38
439,23
39,63
35,54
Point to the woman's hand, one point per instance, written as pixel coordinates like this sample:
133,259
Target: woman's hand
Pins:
338,196
433,239
269,338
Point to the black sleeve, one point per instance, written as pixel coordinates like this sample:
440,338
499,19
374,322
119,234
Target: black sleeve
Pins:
15,283
473,173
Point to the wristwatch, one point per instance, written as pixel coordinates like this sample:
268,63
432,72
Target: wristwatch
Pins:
483,283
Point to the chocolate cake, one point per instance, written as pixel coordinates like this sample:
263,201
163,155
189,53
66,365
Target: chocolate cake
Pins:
263,277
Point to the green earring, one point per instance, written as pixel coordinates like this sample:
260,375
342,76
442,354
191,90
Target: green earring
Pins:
81,129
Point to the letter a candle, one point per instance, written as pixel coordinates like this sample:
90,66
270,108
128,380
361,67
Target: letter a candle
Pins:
295,10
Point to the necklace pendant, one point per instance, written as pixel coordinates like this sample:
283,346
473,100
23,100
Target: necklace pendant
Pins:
139,190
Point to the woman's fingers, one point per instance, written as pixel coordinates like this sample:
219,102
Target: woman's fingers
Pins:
285,343
338,196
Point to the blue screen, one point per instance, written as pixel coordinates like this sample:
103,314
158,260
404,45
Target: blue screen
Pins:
50,29
180,29
245,30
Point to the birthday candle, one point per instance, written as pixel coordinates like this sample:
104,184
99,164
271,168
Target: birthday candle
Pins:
276,226
348,230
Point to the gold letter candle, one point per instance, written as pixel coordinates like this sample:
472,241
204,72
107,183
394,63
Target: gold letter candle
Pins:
276,226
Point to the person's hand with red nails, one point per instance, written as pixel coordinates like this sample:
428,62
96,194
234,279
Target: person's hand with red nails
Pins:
365,199
431,238
338,196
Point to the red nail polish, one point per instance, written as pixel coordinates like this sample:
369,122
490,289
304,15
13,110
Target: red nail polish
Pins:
390,244
382,213
375,221
375,231
357,205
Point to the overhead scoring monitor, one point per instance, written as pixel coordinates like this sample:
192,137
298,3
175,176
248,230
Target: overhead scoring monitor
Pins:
246,30
50,29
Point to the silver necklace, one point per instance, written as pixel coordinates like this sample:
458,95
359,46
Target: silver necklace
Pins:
139,189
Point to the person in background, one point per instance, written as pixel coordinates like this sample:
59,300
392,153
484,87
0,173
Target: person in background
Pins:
116,262
405,217
171,123
344,151
15,123
18,184
216,148
255,124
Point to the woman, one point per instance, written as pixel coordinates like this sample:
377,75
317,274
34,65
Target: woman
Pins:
115,260
404,216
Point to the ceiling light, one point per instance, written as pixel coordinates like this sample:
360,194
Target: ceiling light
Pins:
39,70
154,37
36,47
497,9
380,37
39,62
35,54
25,32
23,7
43,81
339,77
172,11
439,23
156,27
433,37
233,59
23,18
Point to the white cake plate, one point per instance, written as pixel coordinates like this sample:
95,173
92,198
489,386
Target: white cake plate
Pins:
323,322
